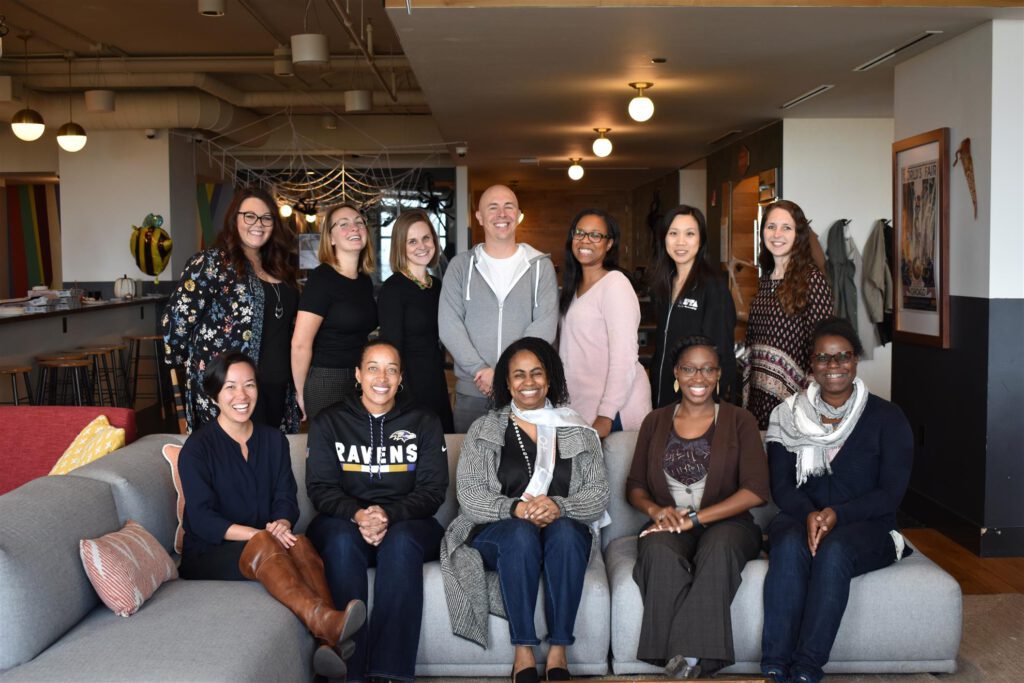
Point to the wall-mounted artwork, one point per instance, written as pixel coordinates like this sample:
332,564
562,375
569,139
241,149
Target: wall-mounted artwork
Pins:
921,221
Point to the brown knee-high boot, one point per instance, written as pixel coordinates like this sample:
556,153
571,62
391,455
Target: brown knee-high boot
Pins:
264,560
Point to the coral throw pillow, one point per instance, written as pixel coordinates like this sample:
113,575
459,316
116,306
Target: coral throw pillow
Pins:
171,452
126,567
96,440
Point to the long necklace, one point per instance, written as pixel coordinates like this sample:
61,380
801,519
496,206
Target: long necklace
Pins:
422,285
526,456
279,308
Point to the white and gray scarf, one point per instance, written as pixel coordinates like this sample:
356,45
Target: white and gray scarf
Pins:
796,424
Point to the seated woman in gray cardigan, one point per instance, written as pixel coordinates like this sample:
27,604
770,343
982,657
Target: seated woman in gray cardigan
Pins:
698,469
531,486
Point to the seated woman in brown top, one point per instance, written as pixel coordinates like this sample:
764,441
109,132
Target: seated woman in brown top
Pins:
698,468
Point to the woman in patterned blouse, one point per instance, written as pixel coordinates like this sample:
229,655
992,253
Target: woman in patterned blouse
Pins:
239,295
792,297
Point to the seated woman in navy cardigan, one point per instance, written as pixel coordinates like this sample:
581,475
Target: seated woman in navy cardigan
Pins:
840,461
240,505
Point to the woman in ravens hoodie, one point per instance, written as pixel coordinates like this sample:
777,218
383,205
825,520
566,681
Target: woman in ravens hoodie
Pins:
377,471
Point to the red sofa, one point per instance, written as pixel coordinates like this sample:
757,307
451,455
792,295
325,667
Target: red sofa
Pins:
32,438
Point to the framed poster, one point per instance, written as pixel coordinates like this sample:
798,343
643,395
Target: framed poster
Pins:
309,245
920,196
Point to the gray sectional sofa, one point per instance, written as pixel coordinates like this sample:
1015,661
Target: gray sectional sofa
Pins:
53,626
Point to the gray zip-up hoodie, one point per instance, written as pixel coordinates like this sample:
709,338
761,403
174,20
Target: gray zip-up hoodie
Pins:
476,328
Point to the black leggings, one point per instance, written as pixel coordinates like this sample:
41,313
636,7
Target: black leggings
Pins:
218,563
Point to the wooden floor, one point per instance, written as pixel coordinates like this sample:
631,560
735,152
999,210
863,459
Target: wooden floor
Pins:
977,576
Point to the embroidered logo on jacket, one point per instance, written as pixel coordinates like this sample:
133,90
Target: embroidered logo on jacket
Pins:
688,303
379,459
402,435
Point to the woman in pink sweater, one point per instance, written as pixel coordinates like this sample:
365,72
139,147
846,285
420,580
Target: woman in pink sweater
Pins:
598,341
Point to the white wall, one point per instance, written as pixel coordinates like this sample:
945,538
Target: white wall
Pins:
1006,278
18,156
951,86
693,185
182,221
106,188
842,168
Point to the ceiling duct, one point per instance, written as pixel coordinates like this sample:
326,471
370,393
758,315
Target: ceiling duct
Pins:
814,92
889,54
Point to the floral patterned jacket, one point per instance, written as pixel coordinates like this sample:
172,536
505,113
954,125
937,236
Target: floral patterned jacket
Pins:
212,311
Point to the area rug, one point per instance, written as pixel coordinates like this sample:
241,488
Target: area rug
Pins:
992,649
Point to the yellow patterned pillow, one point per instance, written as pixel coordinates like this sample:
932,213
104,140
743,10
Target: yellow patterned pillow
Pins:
96,440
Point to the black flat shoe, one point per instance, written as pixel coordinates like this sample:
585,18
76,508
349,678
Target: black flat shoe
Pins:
527,675
557,673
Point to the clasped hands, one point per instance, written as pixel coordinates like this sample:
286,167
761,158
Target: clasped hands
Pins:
539,510
484,381
819,523
281,529
373,524
667,518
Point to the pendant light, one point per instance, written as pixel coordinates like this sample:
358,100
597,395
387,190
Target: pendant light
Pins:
71,136
575,171
285,210
27,124
602,146
641,108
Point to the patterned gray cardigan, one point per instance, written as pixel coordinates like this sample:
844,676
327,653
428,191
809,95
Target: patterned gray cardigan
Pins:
472,592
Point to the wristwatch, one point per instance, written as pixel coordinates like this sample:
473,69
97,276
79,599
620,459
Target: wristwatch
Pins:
692,514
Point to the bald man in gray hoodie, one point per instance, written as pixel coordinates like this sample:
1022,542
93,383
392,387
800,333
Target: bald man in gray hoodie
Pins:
493,294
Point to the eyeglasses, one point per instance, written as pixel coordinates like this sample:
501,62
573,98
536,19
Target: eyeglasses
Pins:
689,371
250,218
346,225
579,235
826,358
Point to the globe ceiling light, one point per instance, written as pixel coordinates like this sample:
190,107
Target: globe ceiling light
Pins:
71,137
641,108
27,125
575,171
602,145
311,218
285,210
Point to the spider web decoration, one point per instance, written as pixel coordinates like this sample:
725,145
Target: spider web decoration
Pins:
435,201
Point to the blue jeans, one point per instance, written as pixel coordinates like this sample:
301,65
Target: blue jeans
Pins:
387,648
805,597
520,551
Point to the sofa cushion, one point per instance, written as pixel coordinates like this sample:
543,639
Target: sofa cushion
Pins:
141,482
126,567
43,589
35,436
903,618
188,631
98,438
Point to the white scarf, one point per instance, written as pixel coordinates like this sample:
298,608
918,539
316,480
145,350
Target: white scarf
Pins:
548,419
795,423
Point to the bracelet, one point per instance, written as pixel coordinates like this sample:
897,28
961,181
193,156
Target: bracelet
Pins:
692,514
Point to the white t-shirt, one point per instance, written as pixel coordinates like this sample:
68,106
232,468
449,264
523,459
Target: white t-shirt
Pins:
502,273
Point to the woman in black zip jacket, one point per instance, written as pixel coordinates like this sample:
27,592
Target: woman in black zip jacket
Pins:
376,472
690,299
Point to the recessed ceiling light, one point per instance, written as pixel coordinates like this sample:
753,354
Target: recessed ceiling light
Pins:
813,92
889,54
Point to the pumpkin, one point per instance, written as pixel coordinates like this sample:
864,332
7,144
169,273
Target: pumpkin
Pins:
151,246
124,287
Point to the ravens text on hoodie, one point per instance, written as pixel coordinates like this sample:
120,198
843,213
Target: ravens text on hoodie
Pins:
397,461
476,327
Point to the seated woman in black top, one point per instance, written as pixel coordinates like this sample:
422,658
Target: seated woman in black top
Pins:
336,312
377,471
531,486
240,505
840,461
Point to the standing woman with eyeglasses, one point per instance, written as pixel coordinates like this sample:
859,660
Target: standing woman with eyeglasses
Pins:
690,299
336,313
600,316
792,297
698,469
239,295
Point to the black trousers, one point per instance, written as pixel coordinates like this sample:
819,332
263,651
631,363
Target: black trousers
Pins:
218,563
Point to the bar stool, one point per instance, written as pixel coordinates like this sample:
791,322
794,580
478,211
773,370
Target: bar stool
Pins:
135,359
48,376
14,371
76,375
105,370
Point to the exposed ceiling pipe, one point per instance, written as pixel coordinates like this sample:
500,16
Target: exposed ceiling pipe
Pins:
262,21
64,27
210,64
353,34
140,110
217,88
